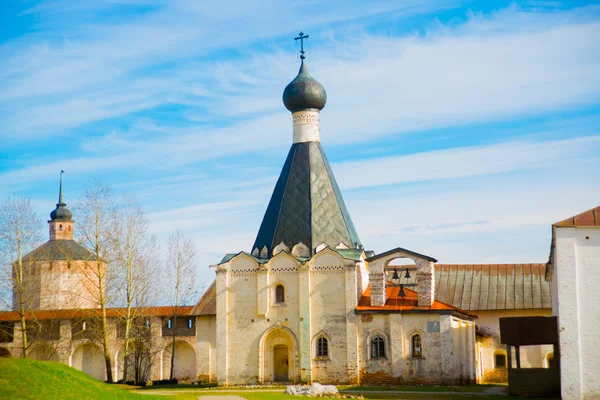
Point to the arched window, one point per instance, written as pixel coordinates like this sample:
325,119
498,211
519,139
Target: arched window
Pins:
279,294
169,323
417,348
550,360
322,347
378,347
499,360
60,227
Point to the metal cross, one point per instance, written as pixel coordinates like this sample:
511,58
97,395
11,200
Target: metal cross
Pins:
301,38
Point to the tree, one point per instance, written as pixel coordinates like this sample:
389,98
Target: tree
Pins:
180,271
97,214
19,235
137,257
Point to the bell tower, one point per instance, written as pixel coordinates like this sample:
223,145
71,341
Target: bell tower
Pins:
61,222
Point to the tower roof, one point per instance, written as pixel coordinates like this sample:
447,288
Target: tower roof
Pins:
306,205
61,212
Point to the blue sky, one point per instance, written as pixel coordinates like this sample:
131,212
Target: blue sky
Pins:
458,129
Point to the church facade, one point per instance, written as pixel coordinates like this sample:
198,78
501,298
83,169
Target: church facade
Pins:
307,302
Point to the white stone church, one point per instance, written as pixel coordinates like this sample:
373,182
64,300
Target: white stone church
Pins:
307,302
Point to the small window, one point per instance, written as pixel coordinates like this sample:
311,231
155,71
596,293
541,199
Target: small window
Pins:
500,360
417,348
84,326
550,360
377,347
322,347
147,324
169,324
190,323
60,227
279,294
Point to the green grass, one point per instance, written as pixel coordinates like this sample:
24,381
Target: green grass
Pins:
29,379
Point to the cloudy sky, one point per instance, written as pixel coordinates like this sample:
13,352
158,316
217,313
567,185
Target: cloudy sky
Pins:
458,129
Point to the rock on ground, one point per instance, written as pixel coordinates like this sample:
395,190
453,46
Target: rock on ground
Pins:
316,389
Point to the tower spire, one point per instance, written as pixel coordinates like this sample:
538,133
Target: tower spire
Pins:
60,190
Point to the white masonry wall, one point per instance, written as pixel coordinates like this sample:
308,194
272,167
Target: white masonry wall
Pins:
576,301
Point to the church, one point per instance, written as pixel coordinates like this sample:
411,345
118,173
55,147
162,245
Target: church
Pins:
307,302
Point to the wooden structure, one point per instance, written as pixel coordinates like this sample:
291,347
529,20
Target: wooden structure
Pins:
526,331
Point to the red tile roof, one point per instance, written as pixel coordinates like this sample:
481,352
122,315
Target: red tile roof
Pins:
396,303
162,311
590,217
208,303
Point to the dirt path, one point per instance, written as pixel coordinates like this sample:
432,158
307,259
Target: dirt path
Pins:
220,398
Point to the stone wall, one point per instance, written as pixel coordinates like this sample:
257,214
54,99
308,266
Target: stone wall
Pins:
575,288
83,353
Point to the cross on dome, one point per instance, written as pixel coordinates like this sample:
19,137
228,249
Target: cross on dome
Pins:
301,37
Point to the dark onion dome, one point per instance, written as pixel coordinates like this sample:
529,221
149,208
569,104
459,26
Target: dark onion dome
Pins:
304,92
61,213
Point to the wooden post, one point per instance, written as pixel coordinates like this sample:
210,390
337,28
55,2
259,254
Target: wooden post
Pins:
509,361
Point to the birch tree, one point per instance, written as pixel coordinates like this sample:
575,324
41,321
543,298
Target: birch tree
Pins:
19,234
137,258
180,271
97,215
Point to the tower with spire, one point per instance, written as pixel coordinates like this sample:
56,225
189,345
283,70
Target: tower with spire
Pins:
306,209
60,265
61,223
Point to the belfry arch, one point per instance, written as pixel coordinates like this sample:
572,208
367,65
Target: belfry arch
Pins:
278,355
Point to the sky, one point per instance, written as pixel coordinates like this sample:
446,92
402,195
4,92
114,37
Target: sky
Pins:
457,129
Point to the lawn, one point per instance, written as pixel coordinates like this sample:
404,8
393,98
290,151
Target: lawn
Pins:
28,379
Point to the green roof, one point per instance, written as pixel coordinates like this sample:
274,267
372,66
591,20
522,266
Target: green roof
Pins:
60,250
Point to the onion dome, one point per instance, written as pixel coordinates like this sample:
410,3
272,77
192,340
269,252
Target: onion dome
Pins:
61,212
304,92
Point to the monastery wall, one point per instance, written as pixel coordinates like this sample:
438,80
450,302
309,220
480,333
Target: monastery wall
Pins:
81,351
575,287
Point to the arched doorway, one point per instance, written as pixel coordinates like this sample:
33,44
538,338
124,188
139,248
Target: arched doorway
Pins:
4,352
185,361
139,365
278,355
89,359
42,353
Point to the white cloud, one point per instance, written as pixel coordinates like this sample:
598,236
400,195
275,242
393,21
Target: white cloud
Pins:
464,162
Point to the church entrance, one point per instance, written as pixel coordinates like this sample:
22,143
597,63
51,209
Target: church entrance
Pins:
278,356
280,353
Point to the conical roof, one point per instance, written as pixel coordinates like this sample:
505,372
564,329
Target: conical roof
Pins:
306,205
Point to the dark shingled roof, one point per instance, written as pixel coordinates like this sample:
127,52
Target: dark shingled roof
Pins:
493,286
306,205
60,250
208,303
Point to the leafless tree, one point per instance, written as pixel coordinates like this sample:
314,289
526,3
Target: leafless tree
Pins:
135,267
180,271
97,215
19,234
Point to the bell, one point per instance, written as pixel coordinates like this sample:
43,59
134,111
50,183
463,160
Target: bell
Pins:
407,274
402,293
395,277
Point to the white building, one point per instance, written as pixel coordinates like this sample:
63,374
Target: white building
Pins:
574,272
